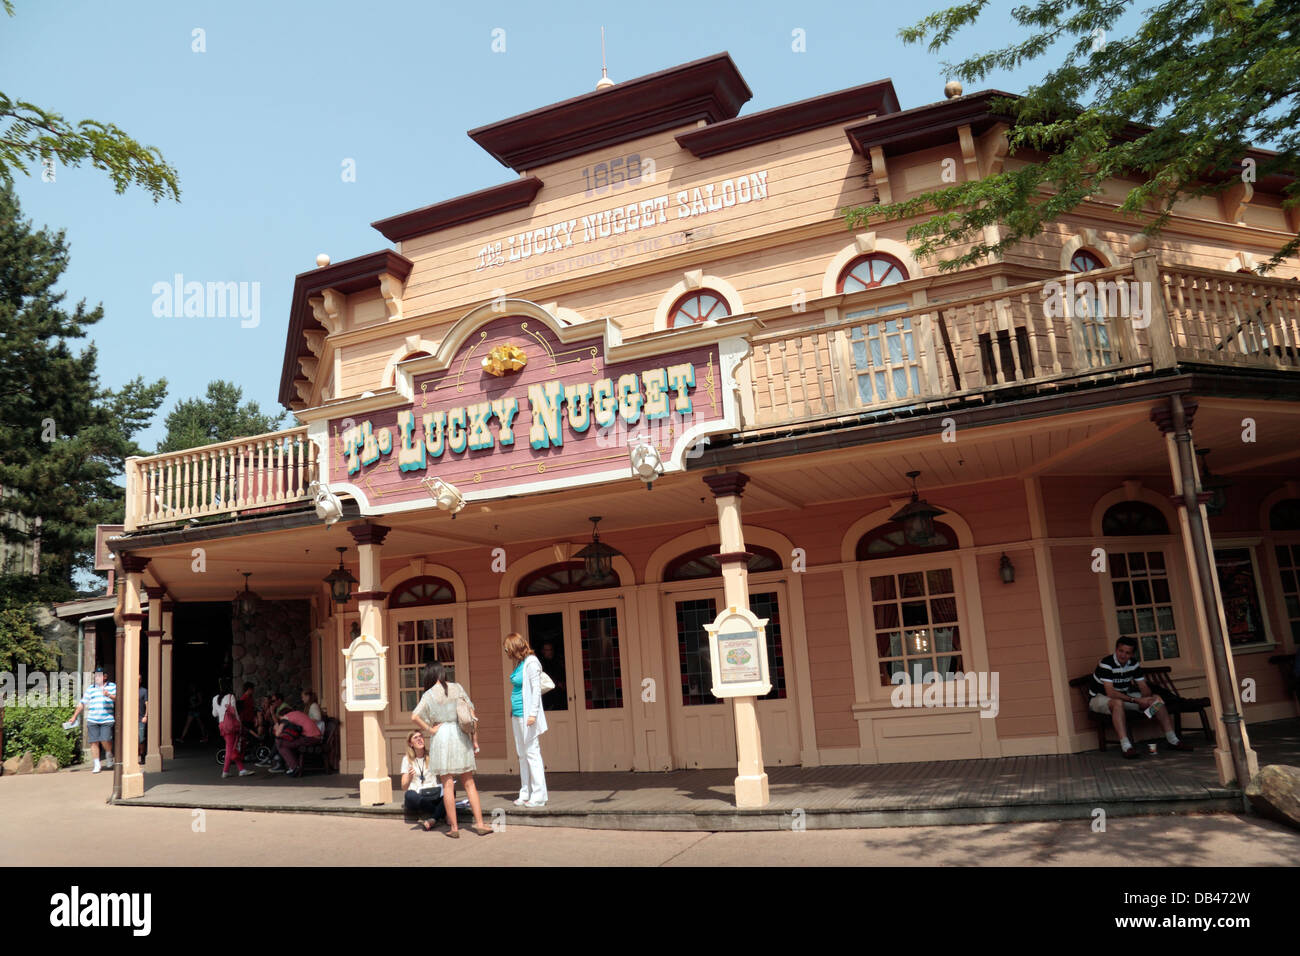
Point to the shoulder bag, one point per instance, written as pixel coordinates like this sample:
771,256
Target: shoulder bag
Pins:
465,717
545,680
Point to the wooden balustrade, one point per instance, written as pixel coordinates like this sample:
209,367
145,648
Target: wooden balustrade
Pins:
222,479
1232,317
881,356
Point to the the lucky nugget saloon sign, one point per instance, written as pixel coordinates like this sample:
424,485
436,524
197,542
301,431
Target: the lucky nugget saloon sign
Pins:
519,403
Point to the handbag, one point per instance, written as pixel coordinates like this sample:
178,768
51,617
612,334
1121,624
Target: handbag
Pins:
546,683
465,718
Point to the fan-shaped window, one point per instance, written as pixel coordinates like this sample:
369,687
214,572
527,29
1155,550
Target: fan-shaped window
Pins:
562,577
695,307
1085,260
415,355
1133,517
871,272
888,541
703,563
1285,515
418,592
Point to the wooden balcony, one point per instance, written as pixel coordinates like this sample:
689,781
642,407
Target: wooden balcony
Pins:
877,357
246,475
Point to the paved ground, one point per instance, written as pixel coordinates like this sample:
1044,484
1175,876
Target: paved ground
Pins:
1010,789
63,820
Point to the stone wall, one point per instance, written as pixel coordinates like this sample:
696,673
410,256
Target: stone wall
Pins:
275,652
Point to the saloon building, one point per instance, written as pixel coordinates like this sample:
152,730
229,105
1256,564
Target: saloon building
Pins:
660,319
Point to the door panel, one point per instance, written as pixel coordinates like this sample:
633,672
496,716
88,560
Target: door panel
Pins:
546,636
604,718
704,727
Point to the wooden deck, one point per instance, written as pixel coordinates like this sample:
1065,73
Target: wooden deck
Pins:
1007,789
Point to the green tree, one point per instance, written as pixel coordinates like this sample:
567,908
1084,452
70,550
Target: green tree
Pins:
63,438
32,135
21,643
1176,104
218,417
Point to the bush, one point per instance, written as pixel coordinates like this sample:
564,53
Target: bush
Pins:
39,730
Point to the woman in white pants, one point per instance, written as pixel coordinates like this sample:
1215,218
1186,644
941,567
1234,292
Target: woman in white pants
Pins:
528,720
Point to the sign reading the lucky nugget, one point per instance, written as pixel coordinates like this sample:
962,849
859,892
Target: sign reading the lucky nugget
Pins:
516,408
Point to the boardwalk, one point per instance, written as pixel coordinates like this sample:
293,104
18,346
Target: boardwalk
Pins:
947,792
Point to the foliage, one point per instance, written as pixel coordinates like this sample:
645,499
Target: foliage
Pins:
64,439
39,729
1205,78
218,417
30,134
21,642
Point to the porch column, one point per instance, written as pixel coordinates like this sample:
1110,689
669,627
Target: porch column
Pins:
163,710
128,678
1233,755
751,780
376,785
152,755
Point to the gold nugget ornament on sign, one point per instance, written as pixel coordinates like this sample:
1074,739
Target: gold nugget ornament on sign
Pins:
503,359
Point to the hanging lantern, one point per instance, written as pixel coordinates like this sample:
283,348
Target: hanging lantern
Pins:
917,517
1214,486
246,602
597,556
340,581
1007,570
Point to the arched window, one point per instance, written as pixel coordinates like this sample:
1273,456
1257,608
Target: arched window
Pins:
1285,515
703,563
695,307
418,592
562,577
1085,260
888,541
1133,517
415,355
870,272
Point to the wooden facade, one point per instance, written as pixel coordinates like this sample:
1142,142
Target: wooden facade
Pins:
1029,425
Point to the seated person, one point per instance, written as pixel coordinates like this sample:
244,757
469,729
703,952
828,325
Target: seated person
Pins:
423,792
1119,686
295,731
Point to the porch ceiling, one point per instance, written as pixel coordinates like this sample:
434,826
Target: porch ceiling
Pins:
1118,442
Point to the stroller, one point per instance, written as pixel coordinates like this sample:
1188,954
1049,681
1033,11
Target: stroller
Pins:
253,750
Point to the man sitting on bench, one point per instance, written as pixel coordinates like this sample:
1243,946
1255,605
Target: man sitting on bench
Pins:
1118,685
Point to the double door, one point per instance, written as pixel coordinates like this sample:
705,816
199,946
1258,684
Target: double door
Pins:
704,729
583,649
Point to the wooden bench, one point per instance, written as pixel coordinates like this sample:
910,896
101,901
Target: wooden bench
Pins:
1161,682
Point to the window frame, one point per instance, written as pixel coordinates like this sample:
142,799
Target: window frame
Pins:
1251,545
676,308
397,715
846,272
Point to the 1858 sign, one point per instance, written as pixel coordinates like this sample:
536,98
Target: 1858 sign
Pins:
518,402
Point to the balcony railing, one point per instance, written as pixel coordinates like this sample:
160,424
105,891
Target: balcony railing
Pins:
1099,324
229,478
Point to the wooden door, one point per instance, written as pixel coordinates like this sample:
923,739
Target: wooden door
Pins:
546,633
599,701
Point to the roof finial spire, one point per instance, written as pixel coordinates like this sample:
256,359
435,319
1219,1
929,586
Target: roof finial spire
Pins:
604,82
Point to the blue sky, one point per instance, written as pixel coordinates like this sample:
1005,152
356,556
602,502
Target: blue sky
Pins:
260,124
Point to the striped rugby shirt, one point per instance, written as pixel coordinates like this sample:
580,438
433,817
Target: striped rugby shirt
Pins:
99,709
1123,676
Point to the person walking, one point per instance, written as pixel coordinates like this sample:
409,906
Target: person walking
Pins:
226,710
451,750
423,792
528,720
97,702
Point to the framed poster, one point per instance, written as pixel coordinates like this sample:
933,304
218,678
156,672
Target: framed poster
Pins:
738,658
1239,585
738,654
365,682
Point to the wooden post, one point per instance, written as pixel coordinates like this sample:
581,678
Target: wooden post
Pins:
128,679
1160,332
376,785
163,693
751,779
153,756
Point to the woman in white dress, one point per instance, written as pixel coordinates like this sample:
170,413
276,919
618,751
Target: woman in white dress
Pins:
451,750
